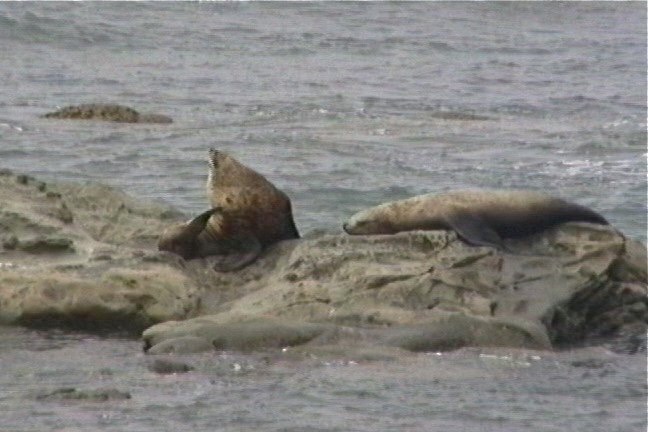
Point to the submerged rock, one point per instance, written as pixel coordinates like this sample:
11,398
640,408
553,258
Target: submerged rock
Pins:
74,394
106,112
240,336
167,366
417,291
181,345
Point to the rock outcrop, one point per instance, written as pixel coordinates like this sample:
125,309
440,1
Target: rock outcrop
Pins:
68,394
424,291
84,256
106,112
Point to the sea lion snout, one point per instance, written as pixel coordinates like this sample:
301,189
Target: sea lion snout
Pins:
213,157
362,223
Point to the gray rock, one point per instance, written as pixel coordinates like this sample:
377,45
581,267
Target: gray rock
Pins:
241,336
74,394
49,271
97,267
457,331
167,366
427,291
180,345
106,112
40,245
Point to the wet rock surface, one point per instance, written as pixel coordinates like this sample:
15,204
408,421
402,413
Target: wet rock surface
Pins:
168,366
84,256
106,112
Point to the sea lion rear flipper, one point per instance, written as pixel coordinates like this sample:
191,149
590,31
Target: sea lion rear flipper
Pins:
246,249
474,230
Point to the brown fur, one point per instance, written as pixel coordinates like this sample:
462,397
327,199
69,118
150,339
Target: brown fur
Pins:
191,239
479,217
249,213
256,204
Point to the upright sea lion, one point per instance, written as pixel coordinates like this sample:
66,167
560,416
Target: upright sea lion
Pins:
249,214
481,218
247,195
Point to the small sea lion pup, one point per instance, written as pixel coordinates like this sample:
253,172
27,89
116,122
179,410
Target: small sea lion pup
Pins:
248,214
480,218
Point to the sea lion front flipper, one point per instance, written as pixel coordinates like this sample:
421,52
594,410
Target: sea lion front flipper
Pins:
474,230
197,224
246,248
184,238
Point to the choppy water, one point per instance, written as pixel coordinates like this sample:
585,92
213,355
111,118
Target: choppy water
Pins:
343,105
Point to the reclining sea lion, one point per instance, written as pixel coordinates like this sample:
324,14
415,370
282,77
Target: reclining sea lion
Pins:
481,218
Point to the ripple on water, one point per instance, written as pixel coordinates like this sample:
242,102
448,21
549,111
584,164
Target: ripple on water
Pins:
343,106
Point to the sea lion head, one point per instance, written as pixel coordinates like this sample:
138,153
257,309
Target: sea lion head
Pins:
222,166
182,239
248,196
371,221
228,177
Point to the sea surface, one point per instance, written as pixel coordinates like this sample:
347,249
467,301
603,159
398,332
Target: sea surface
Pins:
343,106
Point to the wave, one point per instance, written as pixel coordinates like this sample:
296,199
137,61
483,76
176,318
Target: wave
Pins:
29,27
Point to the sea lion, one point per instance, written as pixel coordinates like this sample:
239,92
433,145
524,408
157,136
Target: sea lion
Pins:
249,214
480,218
247,195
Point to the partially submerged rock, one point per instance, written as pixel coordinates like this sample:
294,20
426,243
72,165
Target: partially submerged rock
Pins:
167,366
106,112
417,291
240,336
74,394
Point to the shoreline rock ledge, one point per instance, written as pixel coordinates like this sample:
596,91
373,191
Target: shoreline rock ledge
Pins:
84,257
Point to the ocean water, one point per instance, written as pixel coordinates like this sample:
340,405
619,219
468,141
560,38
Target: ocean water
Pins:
343,106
